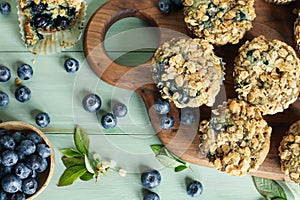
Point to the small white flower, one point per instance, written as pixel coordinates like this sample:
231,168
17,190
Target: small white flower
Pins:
105,164
113,164
122,172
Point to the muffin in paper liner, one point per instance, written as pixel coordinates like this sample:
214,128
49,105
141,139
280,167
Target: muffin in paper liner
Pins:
47,39
236,139
187,72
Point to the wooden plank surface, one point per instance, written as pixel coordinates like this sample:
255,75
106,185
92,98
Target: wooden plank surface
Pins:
272,21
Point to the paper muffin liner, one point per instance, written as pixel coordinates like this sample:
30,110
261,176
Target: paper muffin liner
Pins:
56,41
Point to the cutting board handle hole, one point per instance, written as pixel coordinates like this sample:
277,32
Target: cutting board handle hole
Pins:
131,41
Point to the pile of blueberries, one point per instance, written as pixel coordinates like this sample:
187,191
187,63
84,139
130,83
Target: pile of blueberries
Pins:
151,179
23,156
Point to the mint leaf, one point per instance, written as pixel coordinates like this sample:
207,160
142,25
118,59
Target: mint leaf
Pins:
87,176
180,168
71,153
71,174
69,162
82,141
156,148
269,189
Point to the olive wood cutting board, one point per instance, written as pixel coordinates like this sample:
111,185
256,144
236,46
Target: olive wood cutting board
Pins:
275,22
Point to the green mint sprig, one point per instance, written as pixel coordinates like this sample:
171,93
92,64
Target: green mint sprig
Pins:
80,163
168,159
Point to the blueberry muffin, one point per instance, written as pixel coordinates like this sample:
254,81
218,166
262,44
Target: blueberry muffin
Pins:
266,74
289,152
187,72
280,1
297,31
43,17
236,140
218,21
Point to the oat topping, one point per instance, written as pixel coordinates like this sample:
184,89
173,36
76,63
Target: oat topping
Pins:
280,1
289,152
187,72
266,74
236,140
219,21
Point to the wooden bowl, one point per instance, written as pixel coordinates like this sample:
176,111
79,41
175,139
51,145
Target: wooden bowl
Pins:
44,177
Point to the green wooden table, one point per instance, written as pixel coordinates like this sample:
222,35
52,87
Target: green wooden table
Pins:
59,94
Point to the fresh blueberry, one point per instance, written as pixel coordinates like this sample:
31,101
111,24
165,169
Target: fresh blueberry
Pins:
34,161
187,116
34,137
3,195
7,142
4,171
166,122
43,166
71,65
178,4
11,184
43,150
151,196
25,71
5,74
194,189
29,186
164,6
9,158
91,103
119,110
108,121
23,94
150,179
161,106
17,196
22,171
5,8
42,119
18,136
4,99
26,147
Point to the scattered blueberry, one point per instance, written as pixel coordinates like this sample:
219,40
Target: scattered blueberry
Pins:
5,8
108,121
34,161
91,103
26,147
43,166
150,179
71,65
18,136
22,171
119,110
25,71
17,196
164,6
187,116
151,196
161,106
43,150
5,74
9,158
23,94
4,99
194,189
7,142
178,4
166,122
29,186
11,184
42,119
34,137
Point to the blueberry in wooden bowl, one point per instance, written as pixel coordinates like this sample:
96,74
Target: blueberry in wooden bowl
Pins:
27,160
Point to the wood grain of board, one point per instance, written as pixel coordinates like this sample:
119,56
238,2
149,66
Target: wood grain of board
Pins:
275,22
